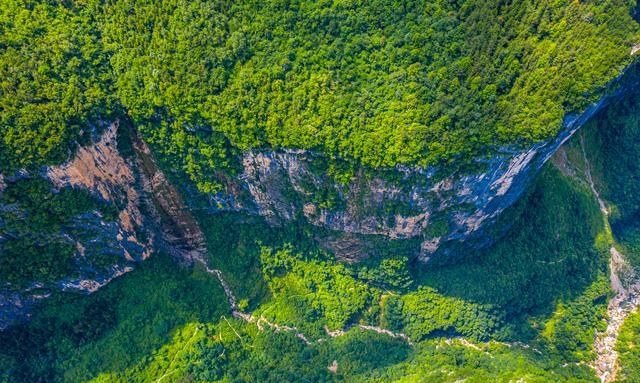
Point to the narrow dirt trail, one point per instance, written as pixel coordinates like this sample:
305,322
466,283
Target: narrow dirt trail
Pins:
167,370
185,240
261,322
626,286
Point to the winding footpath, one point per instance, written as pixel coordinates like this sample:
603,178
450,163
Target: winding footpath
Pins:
184,239
626,286
262,322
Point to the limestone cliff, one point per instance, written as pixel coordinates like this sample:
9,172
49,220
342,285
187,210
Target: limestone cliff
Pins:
437,214
103,171
400,203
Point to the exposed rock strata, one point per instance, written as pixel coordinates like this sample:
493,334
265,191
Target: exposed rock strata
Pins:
181,233
101,169
284,185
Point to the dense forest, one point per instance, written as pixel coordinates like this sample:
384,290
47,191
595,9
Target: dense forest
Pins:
367,85
386,83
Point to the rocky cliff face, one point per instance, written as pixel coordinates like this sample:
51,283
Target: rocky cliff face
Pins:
404,203
101,169
282,185
108,175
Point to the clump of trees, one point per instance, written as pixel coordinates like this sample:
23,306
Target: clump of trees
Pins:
313,290
33,246
627,346
56,80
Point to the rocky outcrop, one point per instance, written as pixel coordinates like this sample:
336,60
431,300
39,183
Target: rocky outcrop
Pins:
101,169
105,248
396,204
400,203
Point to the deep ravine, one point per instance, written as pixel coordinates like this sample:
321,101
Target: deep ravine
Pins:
184,239
626,300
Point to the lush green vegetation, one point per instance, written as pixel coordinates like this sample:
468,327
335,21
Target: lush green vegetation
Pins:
627,347
34,247
517,289
165,320
412,82
610,144
545,284
75,338
440,361
528,267
312,290
55,80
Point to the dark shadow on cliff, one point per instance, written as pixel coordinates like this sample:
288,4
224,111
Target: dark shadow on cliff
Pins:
548,255
611,143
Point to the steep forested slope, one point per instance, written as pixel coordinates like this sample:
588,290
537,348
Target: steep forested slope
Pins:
608,147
